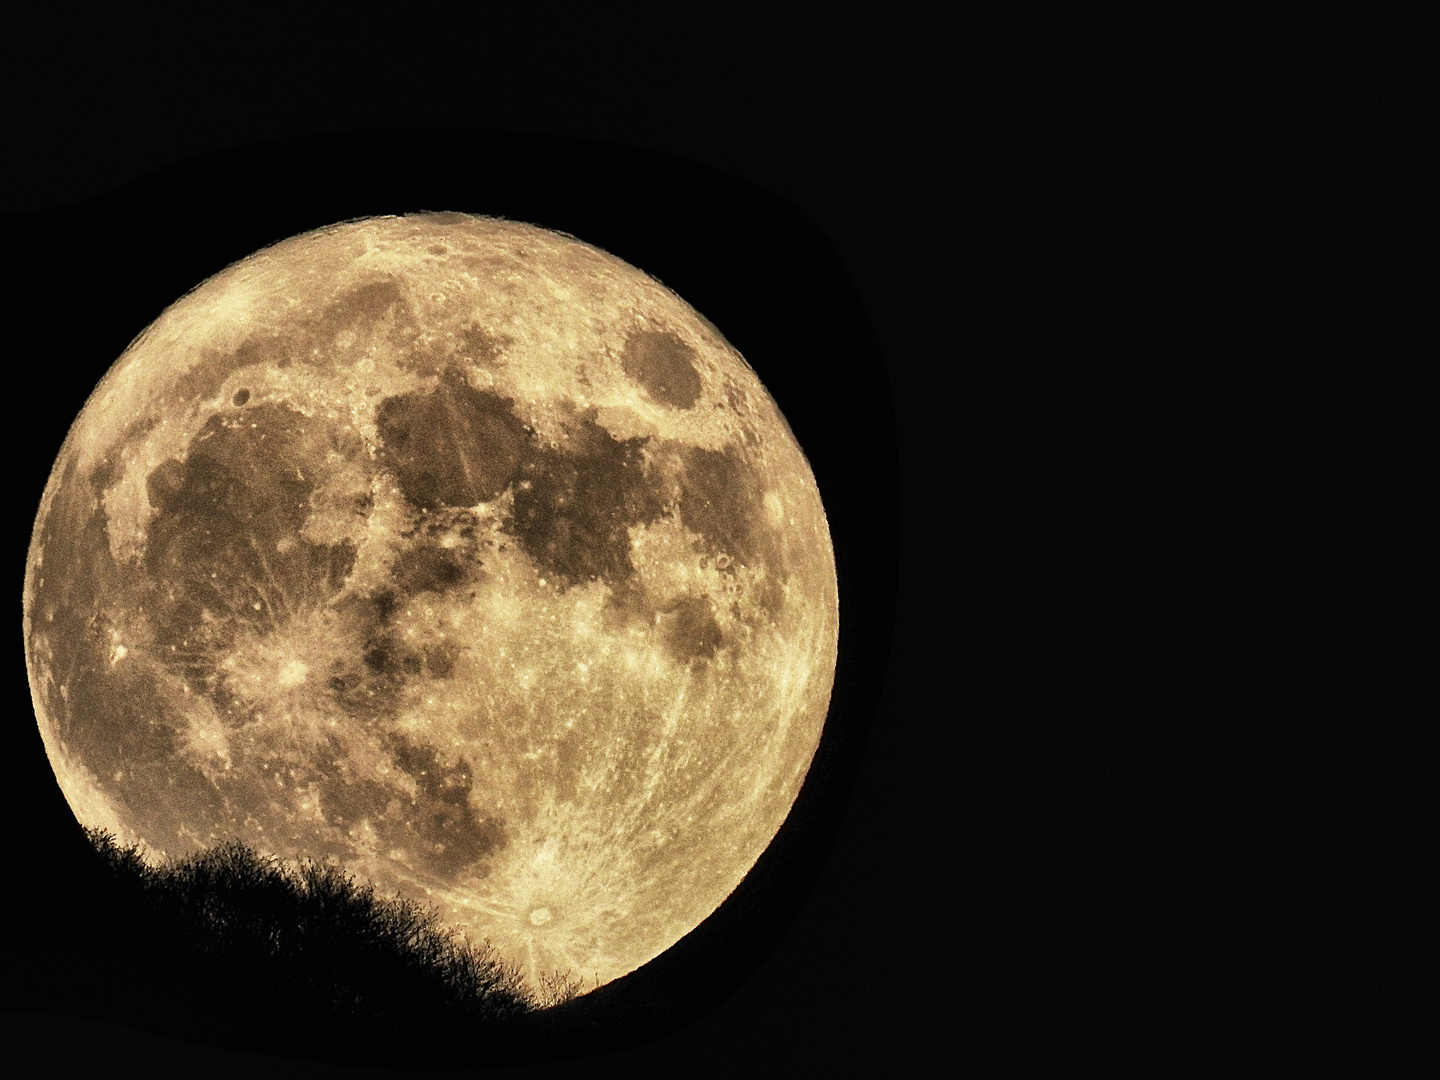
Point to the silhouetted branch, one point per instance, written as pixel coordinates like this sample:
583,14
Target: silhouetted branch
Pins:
309,935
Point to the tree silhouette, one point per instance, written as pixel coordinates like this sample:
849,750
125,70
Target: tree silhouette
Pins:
249,937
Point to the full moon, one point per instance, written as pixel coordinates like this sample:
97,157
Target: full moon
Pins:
453,550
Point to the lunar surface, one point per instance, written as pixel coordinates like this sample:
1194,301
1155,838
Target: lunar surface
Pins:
453,550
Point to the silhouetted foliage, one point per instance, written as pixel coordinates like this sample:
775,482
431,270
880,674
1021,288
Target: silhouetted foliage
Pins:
265,938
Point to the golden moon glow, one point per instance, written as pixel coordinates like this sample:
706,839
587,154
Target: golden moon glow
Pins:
453,549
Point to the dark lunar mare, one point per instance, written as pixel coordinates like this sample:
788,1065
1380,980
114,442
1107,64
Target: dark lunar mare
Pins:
224,555
437,827
451,836
573,505
692,633
450,446
664,365
109,718
376,305
227,537
455,446
224,549
721,499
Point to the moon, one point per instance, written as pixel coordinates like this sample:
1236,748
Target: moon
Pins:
454,550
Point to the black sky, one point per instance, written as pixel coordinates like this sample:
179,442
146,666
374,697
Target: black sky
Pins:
1143,780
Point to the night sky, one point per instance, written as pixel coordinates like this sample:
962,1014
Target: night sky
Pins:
1107,399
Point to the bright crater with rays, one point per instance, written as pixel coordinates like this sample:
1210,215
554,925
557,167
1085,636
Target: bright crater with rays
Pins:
454,550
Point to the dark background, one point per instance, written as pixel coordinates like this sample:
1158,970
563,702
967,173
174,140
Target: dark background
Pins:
1143,781
749,261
